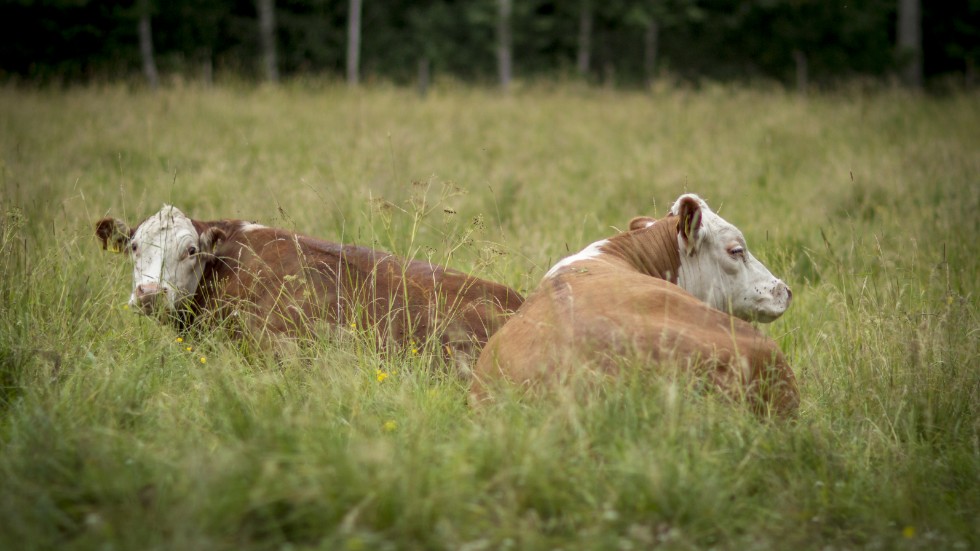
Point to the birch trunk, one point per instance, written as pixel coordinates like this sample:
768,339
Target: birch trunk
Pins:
909,38
584,37
146,45
267,38
354,42
504,54
651,41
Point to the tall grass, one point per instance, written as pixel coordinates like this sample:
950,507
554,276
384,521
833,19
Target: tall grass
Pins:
114,434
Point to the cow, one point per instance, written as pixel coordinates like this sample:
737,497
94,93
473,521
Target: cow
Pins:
270,285
680,290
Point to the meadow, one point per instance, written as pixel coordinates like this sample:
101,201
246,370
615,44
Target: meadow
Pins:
118,433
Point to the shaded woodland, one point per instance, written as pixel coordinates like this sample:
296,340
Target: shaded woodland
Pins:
799,43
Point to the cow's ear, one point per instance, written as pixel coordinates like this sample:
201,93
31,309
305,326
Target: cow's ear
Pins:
114,234
211,238
641,222
689,226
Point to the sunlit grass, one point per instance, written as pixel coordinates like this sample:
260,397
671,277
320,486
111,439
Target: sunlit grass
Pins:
114,429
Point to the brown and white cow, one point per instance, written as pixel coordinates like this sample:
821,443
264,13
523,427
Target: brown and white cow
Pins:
268,282
672,291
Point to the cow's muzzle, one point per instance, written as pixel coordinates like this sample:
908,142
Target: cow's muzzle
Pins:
782,296
767,307
783,289
147,296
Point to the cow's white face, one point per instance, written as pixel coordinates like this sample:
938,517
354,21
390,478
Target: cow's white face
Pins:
717,267
168,254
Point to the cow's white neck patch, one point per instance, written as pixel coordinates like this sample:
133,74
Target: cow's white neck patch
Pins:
592,251
251,226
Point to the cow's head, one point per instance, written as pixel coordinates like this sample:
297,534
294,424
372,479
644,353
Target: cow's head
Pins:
168,253
717,267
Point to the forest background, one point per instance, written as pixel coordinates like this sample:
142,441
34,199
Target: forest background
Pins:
800,43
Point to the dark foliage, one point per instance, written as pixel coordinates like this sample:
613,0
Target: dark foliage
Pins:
80,40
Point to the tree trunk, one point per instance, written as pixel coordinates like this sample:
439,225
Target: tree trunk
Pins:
353,42
910,42
651,40
609,74
424,75
584,37
802,71
146,45
504,54
207,69
267,38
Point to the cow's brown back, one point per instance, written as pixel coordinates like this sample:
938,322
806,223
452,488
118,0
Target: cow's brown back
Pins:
598,312
280,283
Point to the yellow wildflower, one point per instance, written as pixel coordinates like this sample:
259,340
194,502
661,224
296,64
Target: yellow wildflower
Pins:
180,339
204,360
189,348
390,425
908,532
381,376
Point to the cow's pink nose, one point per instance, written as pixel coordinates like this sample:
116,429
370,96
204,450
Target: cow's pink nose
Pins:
789,292
147,292
144,289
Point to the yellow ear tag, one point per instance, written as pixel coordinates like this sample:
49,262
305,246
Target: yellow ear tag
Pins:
117,244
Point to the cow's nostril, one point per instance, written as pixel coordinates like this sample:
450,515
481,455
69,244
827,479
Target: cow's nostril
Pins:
147,289
789,293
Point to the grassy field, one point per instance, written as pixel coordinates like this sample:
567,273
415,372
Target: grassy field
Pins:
114,435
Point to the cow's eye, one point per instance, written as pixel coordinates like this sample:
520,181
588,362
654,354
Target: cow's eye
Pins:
192,251
133,247
736,251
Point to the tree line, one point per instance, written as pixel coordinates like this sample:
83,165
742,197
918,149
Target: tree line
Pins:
618,42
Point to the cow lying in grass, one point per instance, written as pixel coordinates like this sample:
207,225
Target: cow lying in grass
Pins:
671,291
266,283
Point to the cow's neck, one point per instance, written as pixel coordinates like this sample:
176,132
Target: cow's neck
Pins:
652,250
228,226
184,318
